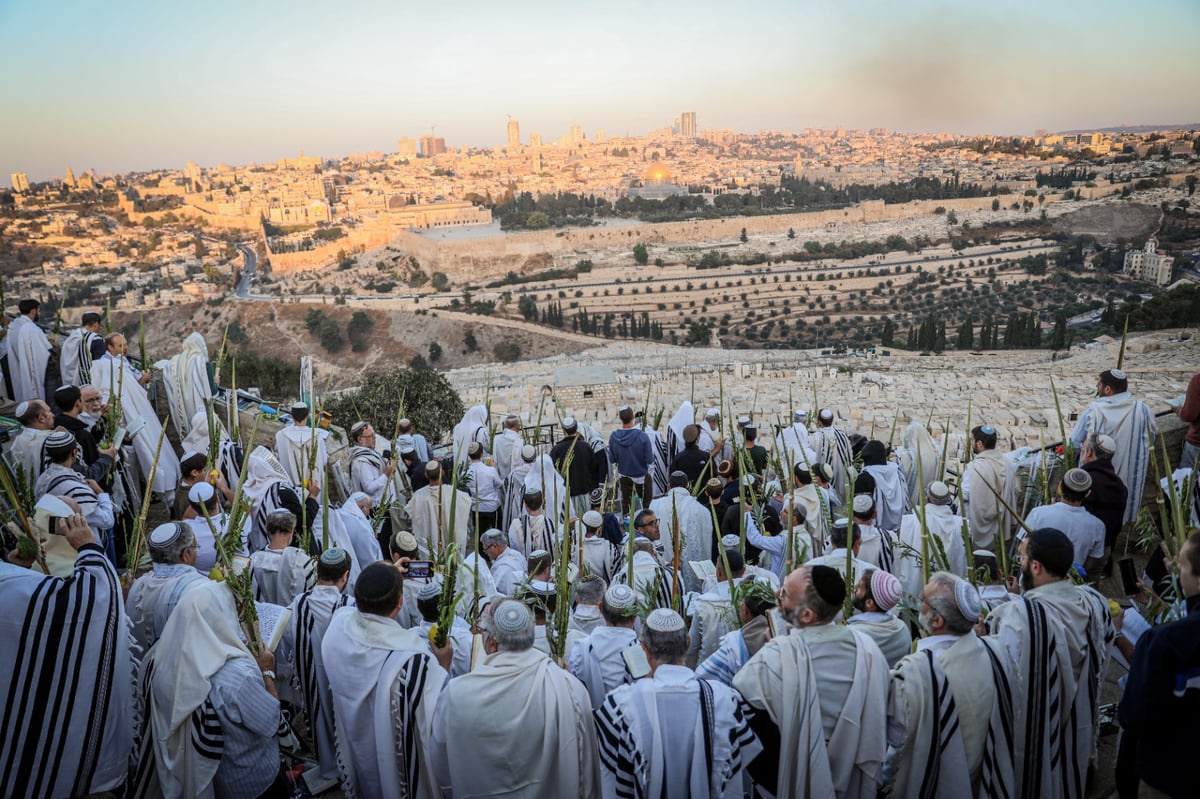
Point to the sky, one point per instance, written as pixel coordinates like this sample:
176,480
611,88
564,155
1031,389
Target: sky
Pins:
131,84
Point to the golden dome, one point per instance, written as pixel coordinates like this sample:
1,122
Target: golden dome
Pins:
658,172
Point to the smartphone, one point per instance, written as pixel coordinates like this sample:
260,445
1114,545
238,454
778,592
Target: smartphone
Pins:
635,661
420,569
1128,576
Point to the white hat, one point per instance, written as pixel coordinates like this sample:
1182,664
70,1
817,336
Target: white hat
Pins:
712,413
569,423
799,416
528,453
825,415
665,620
620,598
592,519
1106,444
201,493
729,541
938,493
542,587
863,503
511,617
165,534
431,589
191,453
966,596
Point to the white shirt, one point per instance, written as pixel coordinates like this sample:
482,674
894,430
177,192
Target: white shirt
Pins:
486,487
1085,530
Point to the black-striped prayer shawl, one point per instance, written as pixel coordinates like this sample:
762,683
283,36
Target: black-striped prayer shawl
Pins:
932,761
659,470
309,678
207,738
65,681
279,495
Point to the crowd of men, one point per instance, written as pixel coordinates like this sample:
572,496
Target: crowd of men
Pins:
750,612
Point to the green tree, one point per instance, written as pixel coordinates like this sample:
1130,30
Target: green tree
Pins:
699,334
537,220
418,363
640,254
435,352
996,204
743,238
1058,339
439,281
469,340
507,351
331,336
356,330
889,332
791,233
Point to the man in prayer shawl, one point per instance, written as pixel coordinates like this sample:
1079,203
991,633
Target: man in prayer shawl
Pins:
597,660
680,515
83,346
66,675
817,515
1131,425
586,599
541,595
185,378
534,530
755,599
61,479
154,595
1107,500
919,446
818,740
301,657
368,471
673,735
711,440
355,516
96,463
329,530
572,458
440,514
951,704
294,446
514,487
1059,635
428,605
601,556
843,534
29,447
544,479
229,453
194,470
793,445
211,707
207,525
659,474
508,565
473,427
714,612
890,490
267,488
651,581
406,434
280,571
538,712
683,418
946,549
833,447
28,353
874,597
114,375
385,684
984,478
878,545
992,590
508,446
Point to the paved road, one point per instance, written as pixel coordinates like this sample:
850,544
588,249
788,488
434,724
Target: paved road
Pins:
250,262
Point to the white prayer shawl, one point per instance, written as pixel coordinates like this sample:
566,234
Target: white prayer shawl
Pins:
918,444
647,572
1131,424
197,440
891,494
713,617
460,639
359,535
153,597
294,446
540,712
385,687
598,663
508,571
473,427
890,634
513,504
659,463
66,675
543,477
528,534
508,452
311,614
28,354
683,417
75,358
185,378
931,760
337,536
182,728
833,447
28,450
601,558
817,516
985,514
695,530
945,529
466,581
794,447
281,575
440,515
135,406
1060,636
674,736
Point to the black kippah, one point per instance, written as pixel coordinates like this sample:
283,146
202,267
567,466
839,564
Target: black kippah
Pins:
829,584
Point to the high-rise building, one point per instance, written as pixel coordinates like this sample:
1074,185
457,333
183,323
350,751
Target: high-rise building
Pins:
576,134
535,139
600,135
69,180
406,147
432,145
20,182
514,134
687,124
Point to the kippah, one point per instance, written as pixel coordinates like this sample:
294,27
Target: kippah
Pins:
528,453
334,556
748,479
279,512
772,487
712,413
60,439
1117,374
408,448
829,584
824,470
983,553
191,453
624,408
433,466
863,503
885,589
1077,480
201,493
473,449
799,416
966,596
406,541
730,540
826,415
299,406
749,428
938,492
621,599
664,620
532,493
842,522
165,534
569,423
713,482
21,410
537,553
357,428
595,496
431,589
593,519
743,420
988,430
358,496
678,475
511,617
542,587
1106,444
725,468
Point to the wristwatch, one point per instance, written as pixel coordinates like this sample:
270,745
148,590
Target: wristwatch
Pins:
268,673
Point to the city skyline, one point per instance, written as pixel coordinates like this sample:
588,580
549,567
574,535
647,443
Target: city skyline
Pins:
132,87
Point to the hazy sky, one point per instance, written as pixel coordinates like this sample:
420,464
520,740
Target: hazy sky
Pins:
132,84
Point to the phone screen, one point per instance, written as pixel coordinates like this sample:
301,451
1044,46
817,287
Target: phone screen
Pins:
420,569
635,661
1128,576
